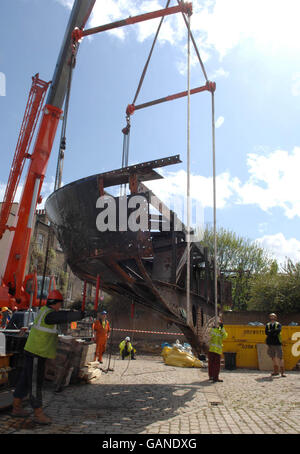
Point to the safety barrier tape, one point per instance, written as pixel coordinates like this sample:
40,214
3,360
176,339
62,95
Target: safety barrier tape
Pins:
147,332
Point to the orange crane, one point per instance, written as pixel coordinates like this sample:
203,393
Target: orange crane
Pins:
16,288
35,100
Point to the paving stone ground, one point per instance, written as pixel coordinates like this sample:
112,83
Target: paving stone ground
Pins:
147,397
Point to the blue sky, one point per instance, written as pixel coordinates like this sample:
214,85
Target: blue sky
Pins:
250,49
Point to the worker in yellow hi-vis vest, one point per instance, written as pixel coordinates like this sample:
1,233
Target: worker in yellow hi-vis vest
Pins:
217,334
274,342
126,348
41,345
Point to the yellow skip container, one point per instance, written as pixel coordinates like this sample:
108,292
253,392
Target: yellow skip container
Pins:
243,340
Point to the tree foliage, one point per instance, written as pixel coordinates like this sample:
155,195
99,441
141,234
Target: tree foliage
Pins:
277,291
239,260
257,281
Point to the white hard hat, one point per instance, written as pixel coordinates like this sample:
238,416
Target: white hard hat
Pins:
127,339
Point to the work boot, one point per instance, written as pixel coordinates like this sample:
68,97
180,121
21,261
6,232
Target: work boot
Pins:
282,372
276,371
40,417
17,410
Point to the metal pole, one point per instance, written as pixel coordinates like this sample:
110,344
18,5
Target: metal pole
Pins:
84,297
97,293
215,210
188,268
34,283
49,241
182,7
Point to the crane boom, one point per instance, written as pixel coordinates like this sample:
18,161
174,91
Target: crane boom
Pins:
13,278
78,18
35,100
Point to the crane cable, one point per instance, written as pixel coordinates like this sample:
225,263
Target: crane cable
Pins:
62,147
131,340
149,57
195,45
190,37
126,130
214,173
188,284
214,204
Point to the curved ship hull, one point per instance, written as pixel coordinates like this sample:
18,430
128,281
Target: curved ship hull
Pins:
130,248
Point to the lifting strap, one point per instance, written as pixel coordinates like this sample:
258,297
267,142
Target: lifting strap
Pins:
62,146
130,108
126,132
187,23
149,57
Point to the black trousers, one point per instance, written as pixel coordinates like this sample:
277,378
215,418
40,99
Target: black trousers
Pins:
125,353
214,365
31,379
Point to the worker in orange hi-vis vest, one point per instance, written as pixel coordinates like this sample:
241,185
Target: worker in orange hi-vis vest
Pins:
102,330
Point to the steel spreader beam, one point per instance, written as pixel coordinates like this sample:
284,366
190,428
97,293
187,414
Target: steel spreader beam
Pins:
210,86
183,7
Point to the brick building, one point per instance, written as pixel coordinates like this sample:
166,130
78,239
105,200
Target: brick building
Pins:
66,281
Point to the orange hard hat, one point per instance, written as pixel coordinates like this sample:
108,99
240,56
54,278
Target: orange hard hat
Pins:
54,297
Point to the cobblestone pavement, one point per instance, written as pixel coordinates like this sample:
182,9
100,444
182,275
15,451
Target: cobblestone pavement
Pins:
147,397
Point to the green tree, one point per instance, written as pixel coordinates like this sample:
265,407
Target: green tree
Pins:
240,260
63,278
36,260
277,291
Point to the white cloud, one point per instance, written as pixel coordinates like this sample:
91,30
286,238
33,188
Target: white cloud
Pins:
267,23
201,188
219,122
218,25
221,72
3,189
273,182
66,3
110,11
281,247
47,189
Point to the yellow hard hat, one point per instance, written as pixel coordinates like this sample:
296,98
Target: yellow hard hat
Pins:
4,309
